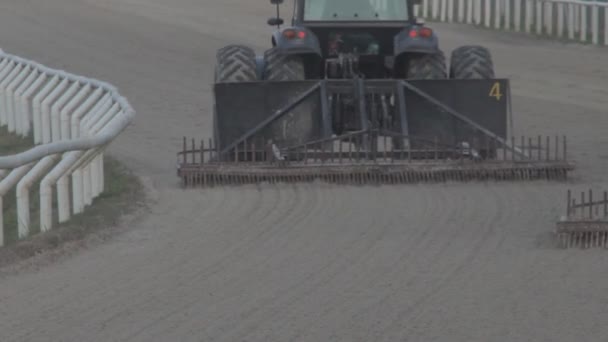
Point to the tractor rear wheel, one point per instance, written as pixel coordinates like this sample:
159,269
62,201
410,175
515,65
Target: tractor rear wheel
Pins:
281,67
297,126
428,66
471,62
234,63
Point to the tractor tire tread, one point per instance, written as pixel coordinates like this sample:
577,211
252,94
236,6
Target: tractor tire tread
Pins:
427,67
236,63
297,126
471,62
282,67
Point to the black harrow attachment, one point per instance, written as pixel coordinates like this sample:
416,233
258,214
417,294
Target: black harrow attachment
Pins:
586,222
367,132
342,162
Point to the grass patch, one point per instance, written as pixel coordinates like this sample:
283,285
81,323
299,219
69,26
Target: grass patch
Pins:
12,143
122,194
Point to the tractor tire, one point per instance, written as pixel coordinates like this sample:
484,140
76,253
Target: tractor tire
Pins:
280,67
235,63
471,62
427,67
424,67
296,127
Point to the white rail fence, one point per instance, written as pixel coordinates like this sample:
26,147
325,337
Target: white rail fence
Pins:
71,119
585,21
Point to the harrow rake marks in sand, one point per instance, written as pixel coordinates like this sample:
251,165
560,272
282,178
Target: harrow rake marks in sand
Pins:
586,222
373,157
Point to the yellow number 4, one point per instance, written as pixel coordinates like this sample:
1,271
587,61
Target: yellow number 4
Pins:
496,91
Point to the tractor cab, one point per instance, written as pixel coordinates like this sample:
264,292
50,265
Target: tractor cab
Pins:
358,31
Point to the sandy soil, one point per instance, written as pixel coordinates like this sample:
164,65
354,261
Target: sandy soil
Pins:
312,262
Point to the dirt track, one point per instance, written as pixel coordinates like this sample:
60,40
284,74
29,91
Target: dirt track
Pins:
310,262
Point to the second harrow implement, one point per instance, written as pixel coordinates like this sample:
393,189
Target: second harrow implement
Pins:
585,224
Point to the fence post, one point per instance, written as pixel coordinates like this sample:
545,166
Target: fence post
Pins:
450,11
507,14
539,17
488,12
23,193
478,20
560,19
529,13
10,98
571,21
21,115
595,29
605,25
460,11
513,14
4,83
549,17
583,23
498,14
425,9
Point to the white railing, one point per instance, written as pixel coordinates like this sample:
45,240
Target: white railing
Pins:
585,21
72,119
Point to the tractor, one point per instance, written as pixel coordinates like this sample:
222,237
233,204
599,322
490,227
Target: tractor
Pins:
360,91
348,39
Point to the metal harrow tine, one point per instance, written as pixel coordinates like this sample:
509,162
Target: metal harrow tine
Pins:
358,165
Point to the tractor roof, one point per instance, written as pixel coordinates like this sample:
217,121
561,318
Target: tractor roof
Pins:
353,10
